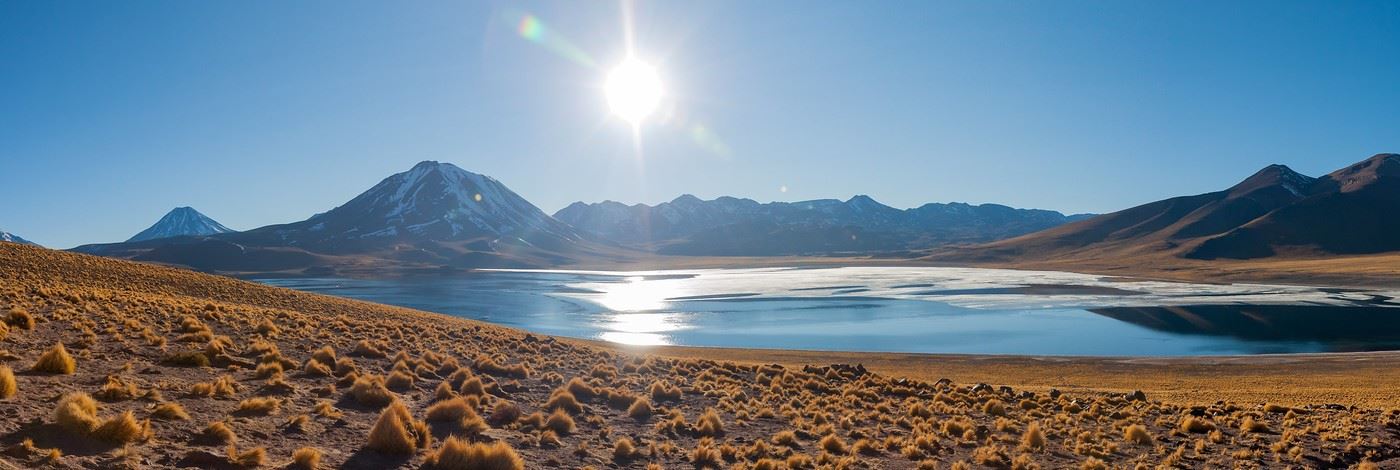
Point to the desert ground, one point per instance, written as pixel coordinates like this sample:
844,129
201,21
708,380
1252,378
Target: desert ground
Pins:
114,364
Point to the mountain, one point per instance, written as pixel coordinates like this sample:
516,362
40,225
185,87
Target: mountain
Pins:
12,238
433,215
181,221
1276,212
732,226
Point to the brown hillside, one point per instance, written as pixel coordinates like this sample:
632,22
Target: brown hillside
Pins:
113,364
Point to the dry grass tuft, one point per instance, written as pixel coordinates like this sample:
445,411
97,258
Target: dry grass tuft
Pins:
8,386
306,458
1137,434
219,432
458,454
1196,425
170,411
20,318
1033,438
251,458
259,405
640,409
77,412
832,444
559,422
56,361
396,432
369,390
123,428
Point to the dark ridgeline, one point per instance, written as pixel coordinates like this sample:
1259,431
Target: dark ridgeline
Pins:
728,226
1275,212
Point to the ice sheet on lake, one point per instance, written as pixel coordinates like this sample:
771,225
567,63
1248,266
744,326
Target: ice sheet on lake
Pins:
965,287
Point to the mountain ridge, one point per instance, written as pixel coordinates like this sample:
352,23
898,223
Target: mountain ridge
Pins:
1274,212
736,226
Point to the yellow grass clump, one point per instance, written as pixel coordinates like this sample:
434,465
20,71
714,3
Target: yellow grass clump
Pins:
77,412
56,361
306,458
458,454
396,432
1137,434
170,411
8,386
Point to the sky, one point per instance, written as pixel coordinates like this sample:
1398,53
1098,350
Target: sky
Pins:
263,112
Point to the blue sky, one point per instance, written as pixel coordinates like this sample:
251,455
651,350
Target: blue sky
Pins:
111,113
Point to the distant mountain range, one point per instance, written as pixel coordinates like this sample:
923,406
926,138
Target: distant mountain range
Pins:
729,226
12,238
181,221
437,216
1276,212
434,214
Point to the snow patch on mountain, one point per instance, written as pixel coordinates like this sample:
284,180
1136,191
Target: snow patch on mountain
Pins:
181,221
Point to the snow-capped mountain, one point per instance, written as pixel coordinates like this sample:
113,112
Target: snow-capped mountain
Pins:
433,215
431,202
730,226
12,238
181,221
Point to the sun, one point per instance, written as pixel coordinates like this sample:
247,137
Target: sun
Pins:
633,90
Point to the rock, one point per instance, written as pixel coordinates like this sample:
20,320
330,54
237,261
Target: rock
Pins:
1054,393
1137,395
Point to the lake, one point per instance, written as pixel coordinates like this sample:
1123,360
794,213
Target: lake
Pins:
901,309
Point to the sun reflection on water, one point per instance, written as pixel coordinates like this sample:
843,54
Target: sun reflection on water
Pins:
633,318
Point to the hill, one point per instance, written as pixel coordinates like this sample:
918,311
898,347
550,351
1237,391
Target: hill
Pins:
113,364
1274,215
12,238
729,226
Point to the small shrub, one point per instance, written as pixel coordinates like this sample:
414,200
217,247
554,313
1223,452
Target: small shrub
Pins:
661,391
251,458
369,390
170,411
219,432
505,413
259,405
396,432
458,454
56,361
833,445
1137,434
624,449
559,422
77,412
709,424
21,319
1250,425
449,410
1033,438
399,380
1196,425
306,458
640,409
8,386
123,428
186,359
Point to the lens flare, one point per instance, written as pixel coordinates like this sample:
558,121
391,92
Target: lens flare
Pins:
530,28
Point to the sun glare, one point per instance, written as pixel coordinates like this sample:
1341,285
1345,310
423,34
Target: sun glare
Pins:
633,90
